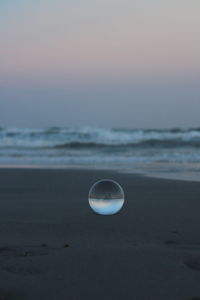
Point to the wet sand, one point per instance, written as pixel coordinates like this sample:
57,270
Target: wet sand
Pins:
52,246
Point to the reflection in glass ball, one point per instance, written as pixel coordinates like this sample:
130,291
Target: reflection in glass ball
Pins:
106,197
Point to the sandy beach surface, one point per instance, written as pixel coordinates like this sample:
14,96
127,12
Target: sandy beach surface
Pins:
52,246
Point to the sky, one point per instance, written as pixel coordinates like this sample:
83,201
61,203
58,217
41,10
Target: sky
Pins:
102,63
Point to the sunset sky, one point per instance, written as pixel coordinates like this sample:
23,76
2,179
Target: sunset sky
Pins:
108,63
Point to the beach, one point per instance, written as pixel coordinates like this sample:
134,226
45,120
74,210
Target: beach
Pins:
54,247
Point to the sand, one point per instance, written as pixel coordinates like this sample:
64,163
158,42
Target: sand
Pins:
52,246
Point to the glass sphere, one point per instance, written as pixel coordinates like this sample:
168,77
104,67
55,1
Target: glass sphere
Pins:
106,197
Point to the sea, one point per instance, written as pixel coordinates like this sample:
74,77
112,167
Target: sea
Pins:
169,153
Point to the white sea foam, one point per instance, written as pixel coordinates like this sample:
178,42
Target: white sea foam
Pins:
88,145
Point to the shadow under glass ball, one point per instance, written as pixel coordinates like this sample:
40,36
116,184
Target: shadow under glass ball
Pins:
106,197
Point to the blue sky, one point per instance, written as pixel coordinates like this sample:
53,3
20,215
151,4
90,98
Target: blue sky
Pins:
99,63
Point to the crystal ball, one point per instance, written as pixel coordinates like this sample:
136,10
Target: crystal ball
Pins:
106,197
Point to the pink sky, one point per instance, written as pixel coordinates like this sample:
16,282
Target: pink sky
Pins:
64,37
112,63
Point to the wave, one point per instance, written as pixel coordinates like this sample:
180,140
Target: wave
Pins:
146,144
86,145
90,138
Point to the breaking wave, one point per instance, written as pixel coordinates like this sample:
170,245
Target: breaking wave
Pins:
61,145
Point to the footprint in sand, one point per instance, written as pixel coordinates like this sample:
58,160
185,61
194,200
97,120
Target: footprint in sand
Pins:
170,242
18,260
5,295
183,246
21,260
22,251
193,263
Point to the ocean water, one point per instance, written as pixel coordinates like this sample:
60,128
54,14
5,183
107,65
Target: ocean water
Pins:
149,150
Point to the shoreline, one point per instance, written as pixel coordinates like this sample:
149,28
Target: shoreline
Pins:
159,174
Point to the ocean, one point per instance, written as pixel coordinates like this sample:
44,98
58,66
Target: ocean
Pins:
136,150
